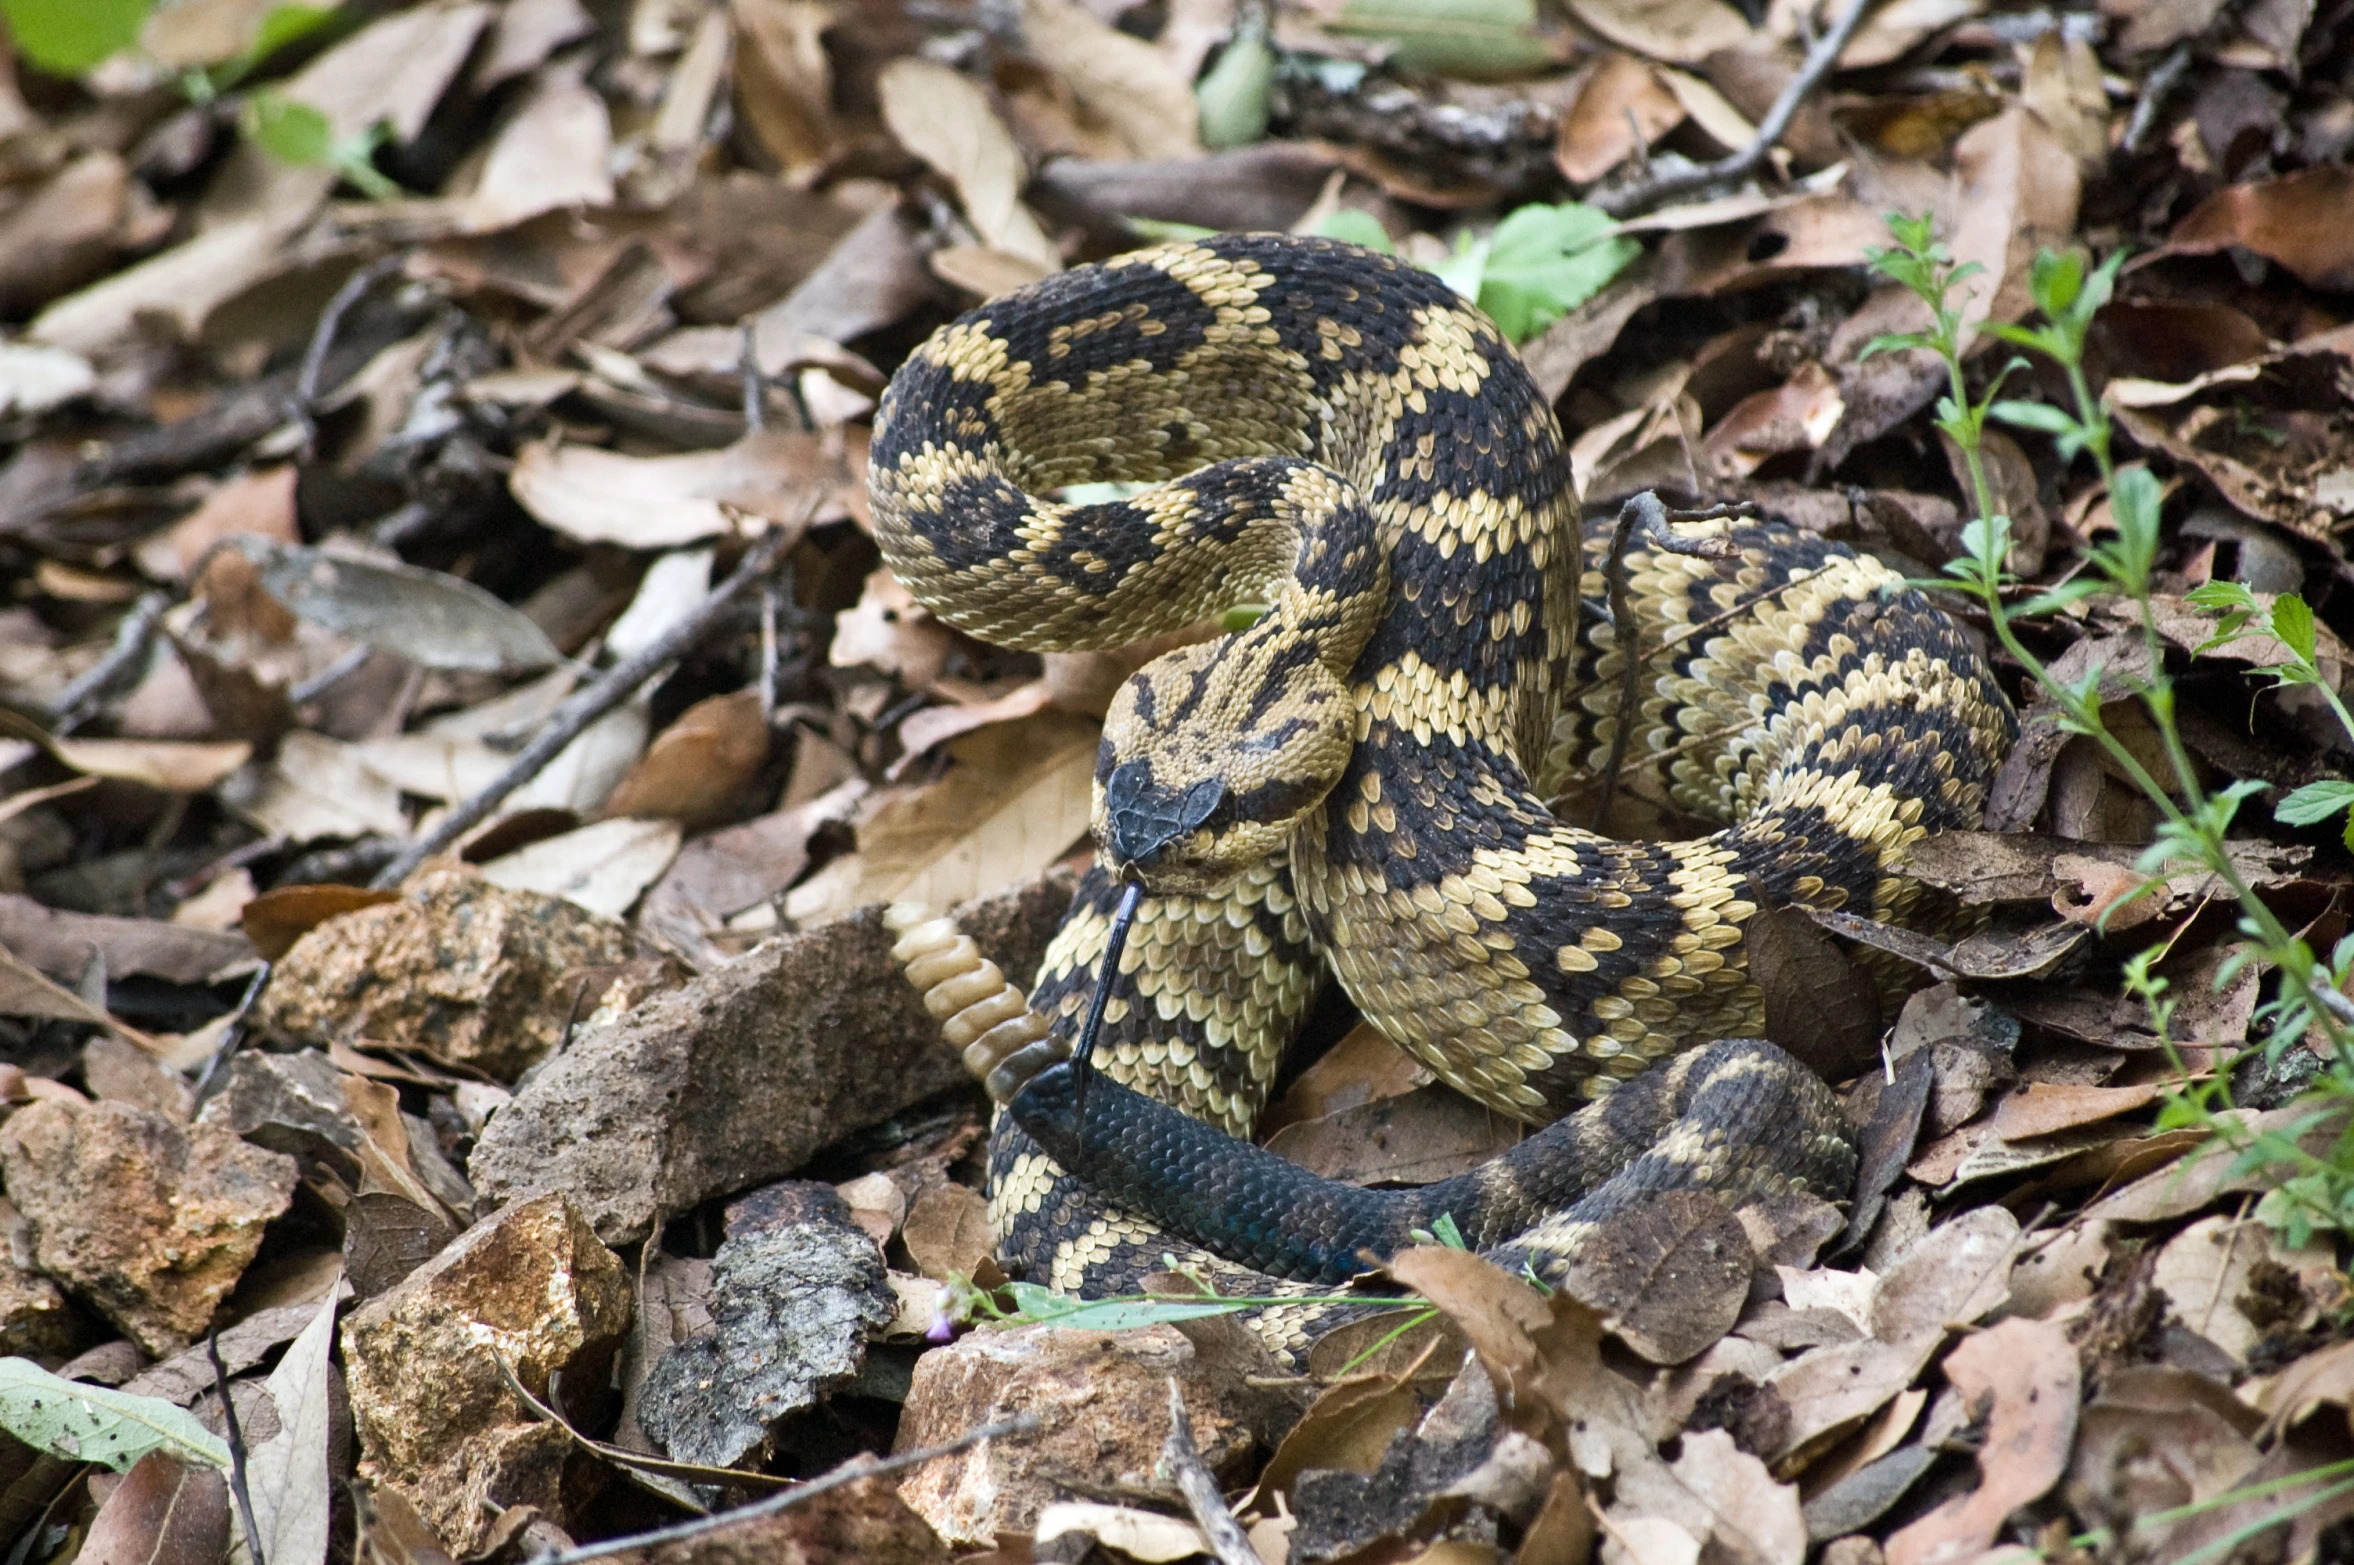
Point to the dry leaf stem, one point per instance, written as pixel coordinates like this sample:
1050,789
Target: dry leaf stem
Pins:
615,687
848,1472
1228,1543
1659,189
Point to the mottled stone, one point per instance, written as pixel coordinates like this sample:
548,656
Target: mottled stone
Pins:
795,1290
458,969
435,1416
37,1321
150,1222
1102,1402
743,1074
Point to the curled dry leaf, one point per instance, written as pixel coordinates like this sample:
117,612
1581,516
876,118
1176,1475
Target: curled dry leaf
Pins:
2028,1370
662,502
1121,80
2298,220
943,118
1680,32
696,767
1620,101
277,918
603,867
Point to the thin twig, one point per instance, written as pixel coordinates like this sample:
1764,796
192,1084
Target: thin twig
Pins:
232,1034
755,384
329,677
1646,514
131,639
314,357
1229,1545
237,1483
775,1504
2154,90
584,708
1645,194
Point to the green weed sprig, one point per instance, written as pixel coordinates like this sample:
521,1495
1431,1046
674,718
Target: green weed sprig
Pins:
2306,1190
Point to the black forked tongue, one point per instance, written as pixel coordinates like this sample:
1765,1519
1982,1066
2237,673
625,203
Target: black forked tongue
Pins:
1082,1065
1144,819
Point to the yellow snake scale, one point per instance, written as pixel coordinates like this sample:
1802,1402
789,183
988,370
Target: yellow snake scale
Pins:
1356,784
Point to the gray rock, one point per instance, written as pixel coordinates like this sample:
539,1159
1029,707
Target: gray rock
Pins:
740,1076
795,1289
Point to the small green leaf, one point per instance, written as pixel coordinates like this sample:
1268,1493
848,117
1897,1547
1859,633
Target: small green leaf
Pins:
1465,266
2292,622
68,37
1544,261
2054,279
287,24
2034,415
1443,1229
2316,801
1033,1303
289,131
1232,95
1352,225
85,1423
2055,600
1894,342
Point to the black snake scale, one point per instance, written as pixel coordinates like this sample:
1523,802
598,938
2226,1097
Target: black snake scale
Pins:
1357,783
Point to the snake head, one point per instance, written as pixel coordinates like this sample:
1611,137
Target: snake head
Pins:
1211,754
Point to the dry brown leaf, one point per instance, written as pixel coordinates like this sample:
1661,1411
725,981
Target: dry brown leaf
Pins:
259,502
26,991
1892,31
2019,190
554,154
947,1232
62,942
1798,415
2039,1108
1123,81
2298,220
163,1512
1952,1276
1671,1273
1622,99
946,120
784,83
938,724
2218,1270
889,631
1345,1429
877,1206
277,918
316,787
2028,1369
983,270
2062,84
1680,32
604,867
1017,800
1362,1068
154,763
697,766
662,502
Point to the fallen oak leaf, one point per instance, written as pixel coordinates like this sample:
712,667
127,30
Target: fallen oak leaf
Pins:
2027,1371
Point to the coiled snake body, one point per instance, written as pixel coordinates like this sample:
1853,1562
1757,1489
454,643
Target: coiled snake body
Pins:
1357,782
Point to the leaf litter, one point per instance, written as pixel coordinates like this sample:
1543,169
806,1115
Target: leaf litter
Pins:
381,378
